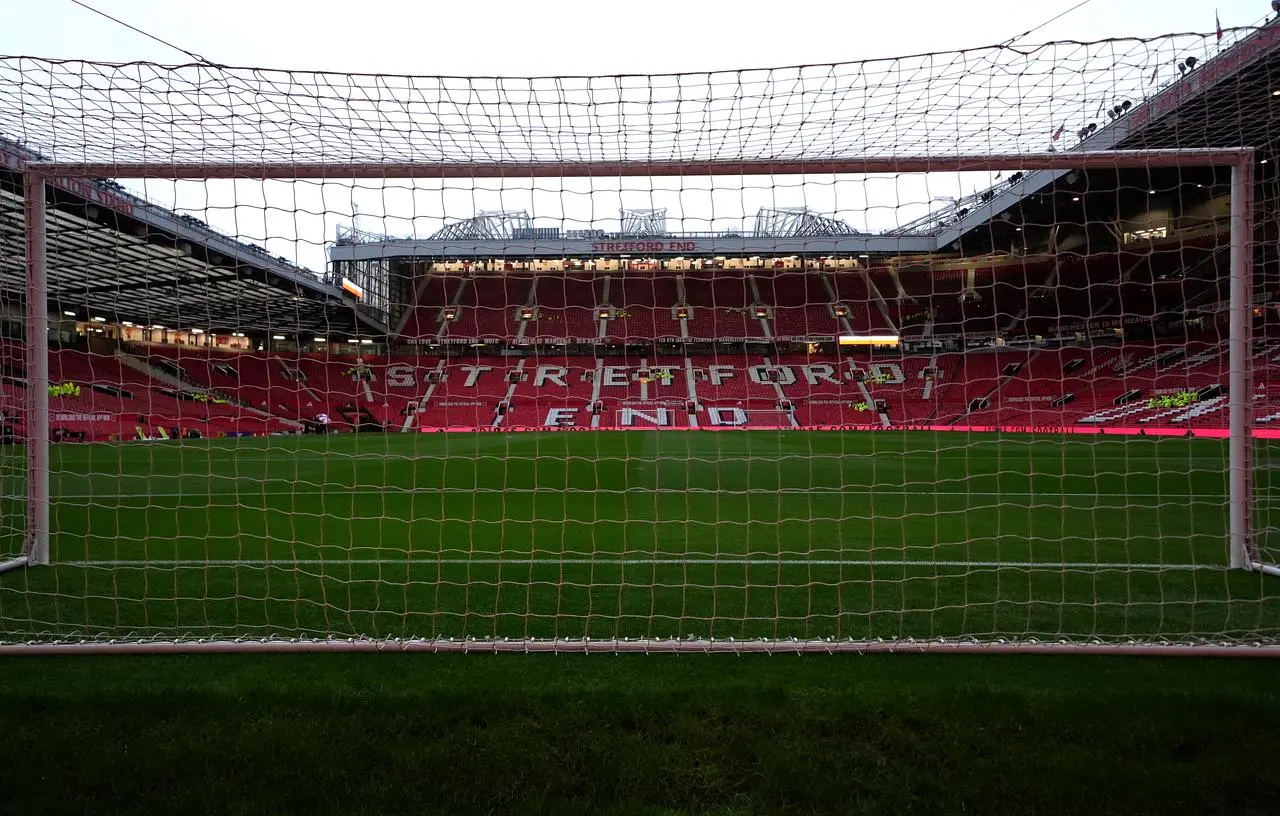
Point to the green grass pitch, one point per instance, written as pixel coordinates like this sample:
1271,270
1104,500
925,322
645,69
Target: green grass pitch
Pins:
639,534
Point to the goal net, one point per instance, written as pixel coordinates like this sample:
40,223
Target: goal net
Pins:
956,351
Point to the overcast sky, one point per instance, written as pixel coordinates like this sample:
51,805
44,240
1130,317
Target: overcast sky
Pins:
520,38
503,38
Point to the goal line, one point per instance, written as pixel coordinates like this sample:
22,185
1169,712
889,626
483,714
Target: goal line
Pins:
154,563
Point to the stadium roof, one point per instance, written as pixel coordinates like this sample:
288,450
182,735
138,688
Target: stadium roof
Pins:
112,254
1223,100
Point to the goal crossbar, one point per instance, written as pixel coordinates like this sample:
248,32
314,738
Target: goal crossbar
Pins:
1066,160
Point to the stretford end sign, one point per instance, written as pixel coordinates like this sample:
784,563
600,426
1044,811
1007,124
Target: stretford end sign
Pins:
89,191
644,246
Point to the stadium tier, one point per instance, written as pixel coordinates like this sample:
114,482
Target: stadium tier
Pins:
149,390
1106,340
1012,296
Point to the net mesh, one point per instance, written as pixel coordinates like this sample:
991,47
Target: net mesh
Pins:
999,100
970,406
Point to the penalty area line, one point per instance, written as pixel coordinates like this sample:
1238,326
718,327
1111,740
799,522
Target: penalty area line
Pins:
627,562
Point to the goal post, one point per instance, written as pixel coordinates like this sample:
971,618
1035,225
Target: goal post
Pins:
1244,554
35,540
1240,551
36,547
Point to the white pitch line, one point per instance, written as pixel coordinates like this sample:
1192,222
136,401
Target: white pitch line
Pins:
632,562
870,491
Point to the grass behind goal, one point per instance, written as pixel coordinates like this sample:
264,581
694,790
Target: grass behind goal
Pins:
642,535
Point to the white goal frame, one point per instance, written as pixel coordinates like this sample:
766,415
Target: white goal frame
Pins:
1242,551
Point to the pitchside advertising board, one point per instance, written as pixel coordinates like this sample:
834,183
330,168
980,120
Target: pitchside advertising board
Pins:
588,341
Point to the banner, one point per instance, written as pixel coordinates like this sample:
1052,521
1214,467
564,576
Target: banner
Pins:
70,417
1063,430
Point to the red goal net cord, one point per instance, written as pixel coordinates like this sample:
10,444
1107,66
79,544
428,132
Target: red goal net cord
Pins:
974,326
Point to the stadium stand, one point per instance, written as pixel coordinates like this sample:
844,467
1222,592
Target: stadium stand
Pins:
566,307
643,307
435,294
801,304
1082,330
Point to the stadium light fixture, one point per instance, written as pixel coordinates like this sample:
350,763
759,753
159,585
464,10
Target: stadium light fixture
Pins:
1075,198
128,323
277,337
99,320
868,340
197,331
1264,161
157,326
1275,93
366,342
1119,110
69,313
352,289
319,340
